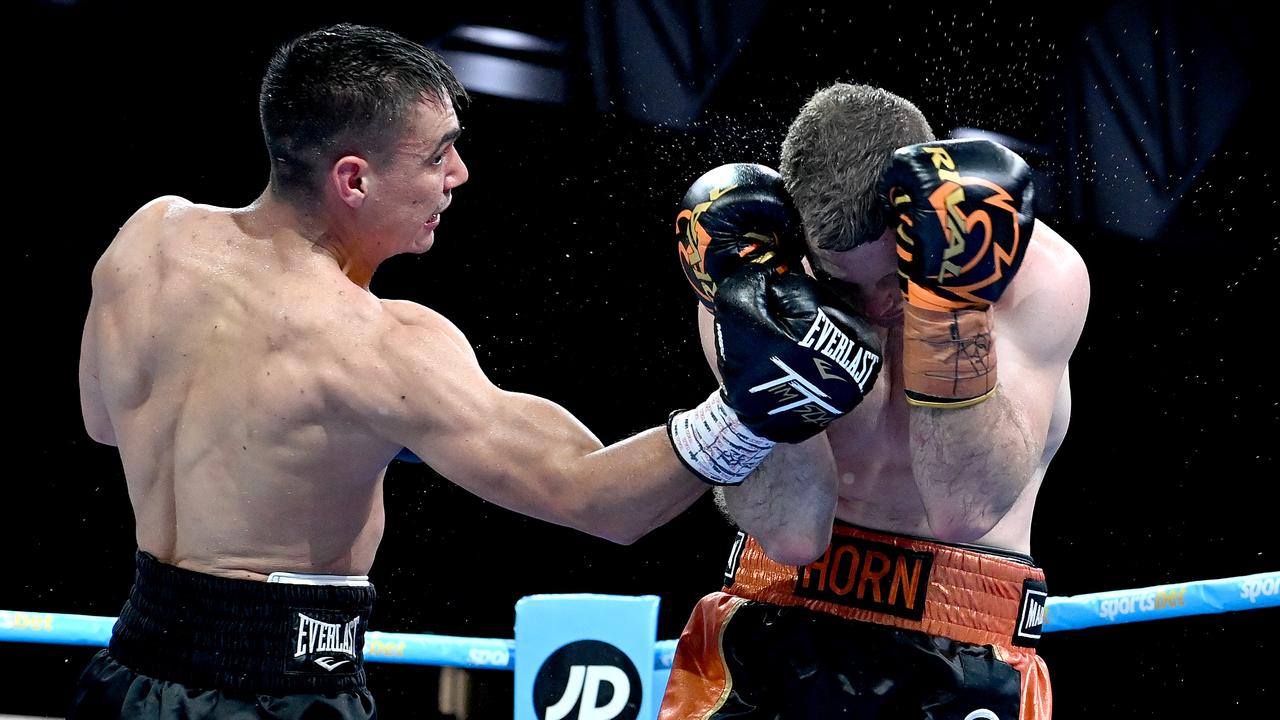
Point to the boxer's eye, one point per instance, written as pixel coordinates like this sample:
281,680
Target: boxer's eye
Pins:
834,282
850,292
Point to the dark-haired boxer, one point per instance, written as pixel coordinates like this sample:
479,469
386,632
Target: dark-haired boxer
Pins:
257,390
901,585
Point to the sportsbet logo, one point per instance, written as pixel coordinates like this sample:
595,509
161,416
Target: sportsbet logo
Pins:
1253,588
1147,602
25,621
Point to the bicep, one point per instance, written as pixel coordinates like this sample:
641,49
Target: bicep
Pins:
509,448
1031,382
1037,334
1048,315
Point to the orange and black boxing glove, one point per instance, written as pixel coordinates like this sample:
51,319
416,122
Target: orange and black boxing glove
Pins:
791,356
963,214
736,215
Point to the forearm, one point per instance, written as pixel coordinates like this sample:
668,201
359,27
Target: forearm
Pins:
533,457
788,503
971,464
632,487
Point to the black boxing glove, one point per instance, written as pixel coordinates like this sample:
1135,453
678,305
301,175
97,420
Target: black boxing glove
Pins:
963,214
792,358
732,216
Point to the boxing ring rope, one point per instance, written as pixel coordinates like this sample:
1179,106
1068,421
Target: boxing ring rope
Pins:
1077,612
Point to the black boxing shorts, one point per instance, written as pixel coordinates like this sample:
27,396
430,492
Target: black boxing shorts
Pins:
881,626
189,644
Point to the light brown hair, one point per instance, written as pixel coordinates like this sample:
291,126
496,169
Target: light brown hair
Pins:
834,153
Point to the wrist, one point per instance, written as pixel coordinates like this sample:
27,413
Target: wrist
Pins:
948,356
926,298
714,444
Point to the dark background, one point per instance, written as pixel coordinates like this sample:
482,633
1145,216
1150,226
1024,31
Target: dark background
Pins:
557,261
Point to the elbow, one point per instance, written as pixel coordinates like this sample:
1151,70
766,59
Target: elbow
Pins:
622,536
617,534
955,529
974,518
94,415
104,434
795,548
615,529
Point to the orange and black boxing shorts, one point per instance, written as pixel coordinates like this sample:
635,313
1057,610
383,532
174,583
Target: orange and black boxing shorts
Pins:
881,626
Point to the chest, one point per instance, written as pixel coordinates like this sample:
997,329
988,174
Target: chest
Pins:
875,437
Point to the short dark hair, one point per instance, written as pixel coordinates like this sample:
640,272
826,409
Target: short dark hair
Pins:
344,89
834,153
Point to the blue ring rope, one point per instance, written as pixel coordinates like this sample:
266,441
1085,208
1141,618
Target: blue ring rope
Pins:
1077,612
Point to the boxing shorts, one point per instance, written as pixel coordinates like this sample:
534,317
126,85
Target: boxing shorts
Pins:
189,644
881,626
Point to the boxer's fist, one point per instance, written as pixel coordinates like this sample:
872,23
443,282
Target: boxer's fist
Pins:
792,357
962,210
963,213
735,215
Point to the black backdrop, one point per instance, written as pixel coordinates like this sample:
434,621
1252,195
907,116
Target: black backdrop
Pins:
556,260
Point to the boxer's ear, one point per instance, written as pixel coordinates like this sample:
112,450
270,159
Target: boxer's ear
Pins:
349,179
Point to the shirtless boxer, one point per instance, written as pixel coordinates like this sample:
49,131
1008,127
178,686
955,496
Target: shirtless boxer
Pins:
901,584
257,390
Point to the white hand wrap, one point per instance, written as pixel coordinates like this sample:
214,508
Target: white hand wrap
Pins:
714,444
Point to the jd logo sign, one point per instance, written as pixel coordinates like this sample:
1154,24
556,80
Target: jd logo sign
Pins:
587,680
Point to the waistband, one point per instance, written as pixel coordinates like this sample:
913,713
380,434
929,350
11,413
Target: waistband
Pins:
967,593
218,633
